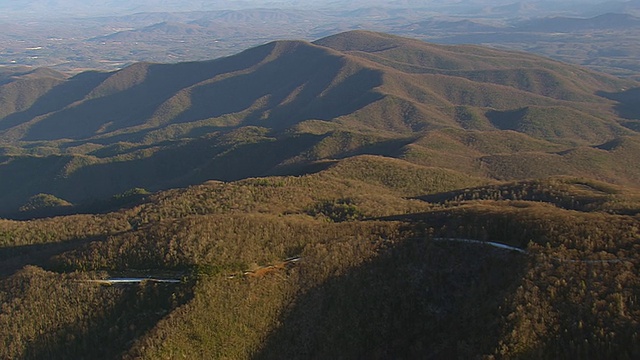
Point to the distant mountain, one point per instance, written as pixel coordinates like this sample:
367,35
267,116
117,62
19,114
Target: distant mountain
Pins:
162,29
628,7
281,107
566,24
464,26
264,15
520,8
74,8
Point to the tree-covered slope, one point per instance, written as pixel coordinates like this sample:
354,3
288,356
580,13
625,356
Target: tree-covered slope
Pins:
335,264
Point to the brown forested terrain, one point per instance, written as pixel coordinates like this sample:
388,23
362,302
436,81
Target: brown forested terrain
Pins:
364,196
369,280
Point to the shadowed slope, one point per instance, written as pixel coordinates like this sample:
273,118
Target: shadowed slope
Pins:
299,82
130,96
283,82
20,94
557,123
60,96
408,303
628,105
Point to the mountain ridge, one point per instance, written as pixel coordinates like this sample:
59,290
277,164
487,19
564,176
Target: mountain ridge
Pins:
139,80
291,104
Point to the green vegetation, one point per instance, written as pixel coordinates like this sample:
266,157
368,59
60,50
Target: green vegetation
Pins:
581,194
336,210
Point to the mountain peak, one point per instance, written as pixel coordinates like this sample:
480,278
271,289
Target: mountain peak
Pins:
362,40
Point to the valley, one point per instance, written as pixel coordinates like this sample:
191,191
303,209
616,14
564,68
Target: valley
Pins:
599,36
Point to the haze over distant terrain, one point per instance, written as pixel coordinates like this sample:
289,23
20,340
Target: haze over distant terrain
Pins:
359,196
76,35
77,8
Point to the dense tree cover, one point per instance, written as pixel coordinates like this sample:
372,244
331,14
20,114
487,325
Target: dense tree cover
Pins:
566,192
51,230
43,201
366,279
57,316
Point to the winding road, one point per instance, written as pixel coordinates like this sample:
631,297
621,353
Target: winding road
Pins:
523,251
131,280
490,243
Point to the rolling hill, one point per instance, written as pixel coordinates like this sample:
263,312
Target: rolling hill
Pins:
349,256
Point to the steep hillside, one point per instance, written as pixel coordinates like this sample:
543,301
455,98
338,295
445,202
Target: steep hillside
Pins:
516,69
273,85
20,88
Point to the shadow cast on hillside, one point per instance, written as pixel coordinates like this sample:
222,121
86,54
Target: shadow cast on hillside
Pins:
507,119
59,97
419,300
92,187
14,258
127,314
202,160
133,105
393,148
628,106
97,206
303,84
193,163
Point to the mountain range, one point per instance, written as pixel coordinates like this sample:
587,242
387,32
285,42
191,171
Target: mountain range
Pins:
40,8
610,21
282,107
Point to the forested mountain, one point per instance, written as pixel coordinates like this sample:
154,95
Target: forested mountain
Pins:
361,196
342,263
281,107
